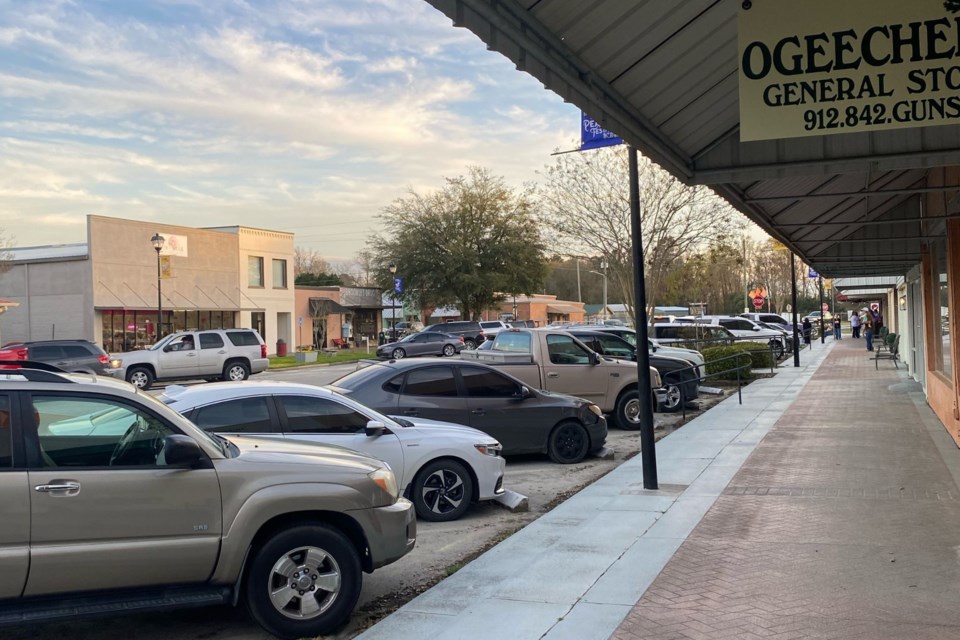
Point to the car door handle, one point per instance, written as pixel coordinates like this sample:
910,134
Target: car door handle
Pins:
479,412
191,355
222,351
66,487
553,375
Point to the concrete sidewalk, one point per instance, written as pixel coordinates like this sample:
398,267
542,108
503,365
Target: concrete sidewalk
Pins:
578,571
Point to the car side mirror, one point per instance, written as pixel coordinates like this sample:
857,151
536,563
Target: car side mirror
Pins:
375,429
182,451
523,393
594,358
756,328
168,348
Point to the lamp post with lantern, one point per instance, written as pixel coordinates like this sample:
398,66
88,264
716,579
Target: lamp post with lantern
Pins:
157,240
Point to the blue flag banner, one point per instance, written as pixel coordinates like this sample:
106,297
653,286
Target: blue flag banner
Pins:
593,136
398,285
812,274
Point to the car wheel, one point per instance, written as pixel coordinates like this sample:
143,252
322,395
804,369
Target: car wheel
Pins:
568,443
674,400
449,350
469,344
140,377
627,412
442,491
236,371
303,582
398,354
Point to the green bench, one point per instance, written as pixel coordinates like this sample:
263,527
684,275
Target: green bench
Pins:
888,348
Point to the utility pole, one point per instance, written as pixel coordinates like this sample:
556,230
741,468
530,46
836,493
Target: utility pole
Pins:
823,338
793,302
579,297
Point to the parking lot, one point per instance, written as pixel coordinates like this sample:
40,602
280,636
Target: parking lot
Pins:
441,547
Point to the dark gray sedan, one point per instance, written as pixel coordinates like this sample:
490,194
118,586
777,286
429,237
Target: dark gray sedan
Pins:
524,420
428,343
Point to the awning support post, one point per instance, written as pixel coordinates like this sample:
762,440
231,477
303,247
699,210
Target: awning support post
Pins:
647,452
793,303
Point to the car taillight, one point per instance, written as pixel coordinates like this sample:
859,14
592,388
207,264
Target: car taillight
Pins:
21,354
104,359
263,351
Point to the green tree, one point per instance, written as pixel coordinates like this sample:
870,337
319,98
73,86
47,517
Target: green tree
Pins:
318,279
470,244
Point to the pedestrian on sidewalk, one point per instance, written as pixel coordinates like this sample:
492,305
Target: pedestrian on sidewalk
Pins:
807,331
868,330
855,324
836,327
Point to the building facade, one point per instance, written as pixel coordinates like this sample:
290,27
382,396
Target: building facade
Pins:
333,315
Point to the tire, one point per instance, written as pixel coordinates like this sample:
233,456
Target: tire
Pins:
140,377
469,343
449,350
568,443
674,400
442,491
398,354
278,563
236,371
627,412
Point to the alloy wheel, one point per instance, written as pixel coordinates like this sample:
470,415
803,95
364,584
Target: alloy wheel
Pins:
236,373
139,379
443,491
569,442
304,583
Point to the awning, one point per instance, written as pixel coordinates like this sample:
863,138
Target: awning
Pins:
445,312
320,307
563,308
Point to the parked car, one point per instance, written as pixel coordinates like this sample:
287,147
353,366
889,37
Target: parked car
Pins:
77,356
554,360
769,318
425,343
115,503
748,330
213,354
523,324
470,331
630,335
441,467
681,379
814,316
521,418
701,336
492,327
395,331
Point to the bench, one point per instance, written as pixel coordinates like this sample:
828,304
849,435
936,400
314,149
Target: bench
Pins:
340,343
888,349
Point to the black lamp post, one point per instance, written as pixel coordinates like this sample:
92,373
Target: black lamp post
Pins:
393,301
157,240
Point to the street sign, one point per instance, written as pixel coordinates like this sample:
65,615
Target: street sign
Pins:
758,302
828,283
398,285
300,321
875,306
812,274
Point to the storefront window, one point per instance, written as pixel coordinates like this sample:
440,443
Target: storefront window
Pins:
941,310
254,271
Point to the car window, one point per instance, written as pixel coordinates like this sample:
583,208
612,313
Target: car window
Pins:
45,352
241,415
512,342
97,432
394,384
181,343
243,338
210,341
483,383
75,351
425,337
491,325
612,345
307,414
6,438
564,350
431,381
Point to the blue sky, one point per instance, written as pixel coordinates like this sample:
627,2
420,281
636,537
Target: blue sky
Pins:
308,115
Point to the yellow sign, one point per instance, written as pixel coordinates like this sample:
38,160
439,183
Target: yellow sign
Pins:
776,245
828,283
821,67
166,266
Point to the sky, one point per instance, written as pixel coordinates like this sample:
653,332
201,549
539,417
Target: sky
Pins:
307,116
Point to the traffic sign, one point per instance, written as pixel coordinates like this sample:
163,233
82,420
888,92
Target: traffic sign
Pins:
812,274
758,302
300,321
874,306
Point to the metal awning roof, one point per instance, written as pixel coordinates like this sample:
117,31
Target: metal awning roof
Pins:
563,308
876,285
664,76
320,307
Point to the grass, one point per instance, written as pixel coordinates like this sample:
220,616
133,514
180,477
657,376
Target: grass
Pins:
351,355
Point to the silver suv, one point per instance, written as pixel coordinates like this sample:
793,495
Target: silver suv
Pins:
214,354
115,503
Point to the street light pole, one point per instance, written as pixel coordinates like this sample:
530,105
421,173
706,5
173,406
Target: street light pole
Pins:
157,240
603,267
393,302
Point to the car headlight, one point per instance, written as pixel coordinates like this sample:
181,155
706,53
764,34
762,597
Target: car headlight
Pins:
386,480
116,364
592,408
489,448
655,378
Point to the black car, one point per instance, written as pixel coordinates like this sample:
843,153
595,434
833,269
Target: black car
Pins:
681,381
523,420
75,356
470,331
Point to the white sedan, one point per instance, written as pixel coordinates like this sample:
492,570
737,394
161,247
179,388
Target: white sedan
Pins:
441,466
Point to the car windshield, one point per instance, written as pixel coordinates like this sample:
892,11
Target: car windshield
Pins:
160,343
409,338
217,441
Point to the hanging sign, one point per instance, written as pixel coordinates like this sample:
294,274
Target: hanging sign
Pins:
822,67
174,246
593,136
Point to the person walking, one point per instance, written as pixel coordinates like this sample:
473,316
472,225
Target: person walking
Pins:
855,324
836,327
868,330
807,331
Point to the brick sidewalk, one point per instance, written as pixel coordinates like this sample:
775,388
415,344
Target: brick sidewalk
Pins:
843,523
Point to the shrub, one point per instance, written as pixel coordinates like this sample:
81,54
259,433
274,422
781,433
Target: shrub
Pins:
760,357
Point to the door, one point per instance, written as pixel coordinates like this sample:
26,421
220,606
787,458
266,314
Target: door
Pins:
422,344
213,351
106,511
571,370
15,498
431,392
498,409
178,359
317,419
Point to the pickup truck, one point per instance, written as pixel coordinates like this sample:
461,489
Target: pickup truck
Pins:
554,360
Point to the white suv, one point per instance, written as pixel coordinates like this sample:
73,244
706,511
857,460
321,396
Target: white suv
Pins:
745,329
214,354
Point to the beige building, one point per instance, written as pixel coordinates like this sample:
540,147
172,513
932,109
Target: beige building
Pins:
106,290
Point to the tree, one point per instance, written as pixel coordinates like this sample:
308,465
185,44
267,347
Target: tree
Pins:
470,244
318,279
309,261
585,203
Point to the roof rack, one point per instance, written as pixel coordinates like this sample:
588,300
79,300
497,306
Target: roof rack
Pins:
33,371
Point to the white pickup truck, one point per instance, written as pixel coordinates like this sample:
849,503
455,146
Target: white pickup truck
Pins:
554,360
